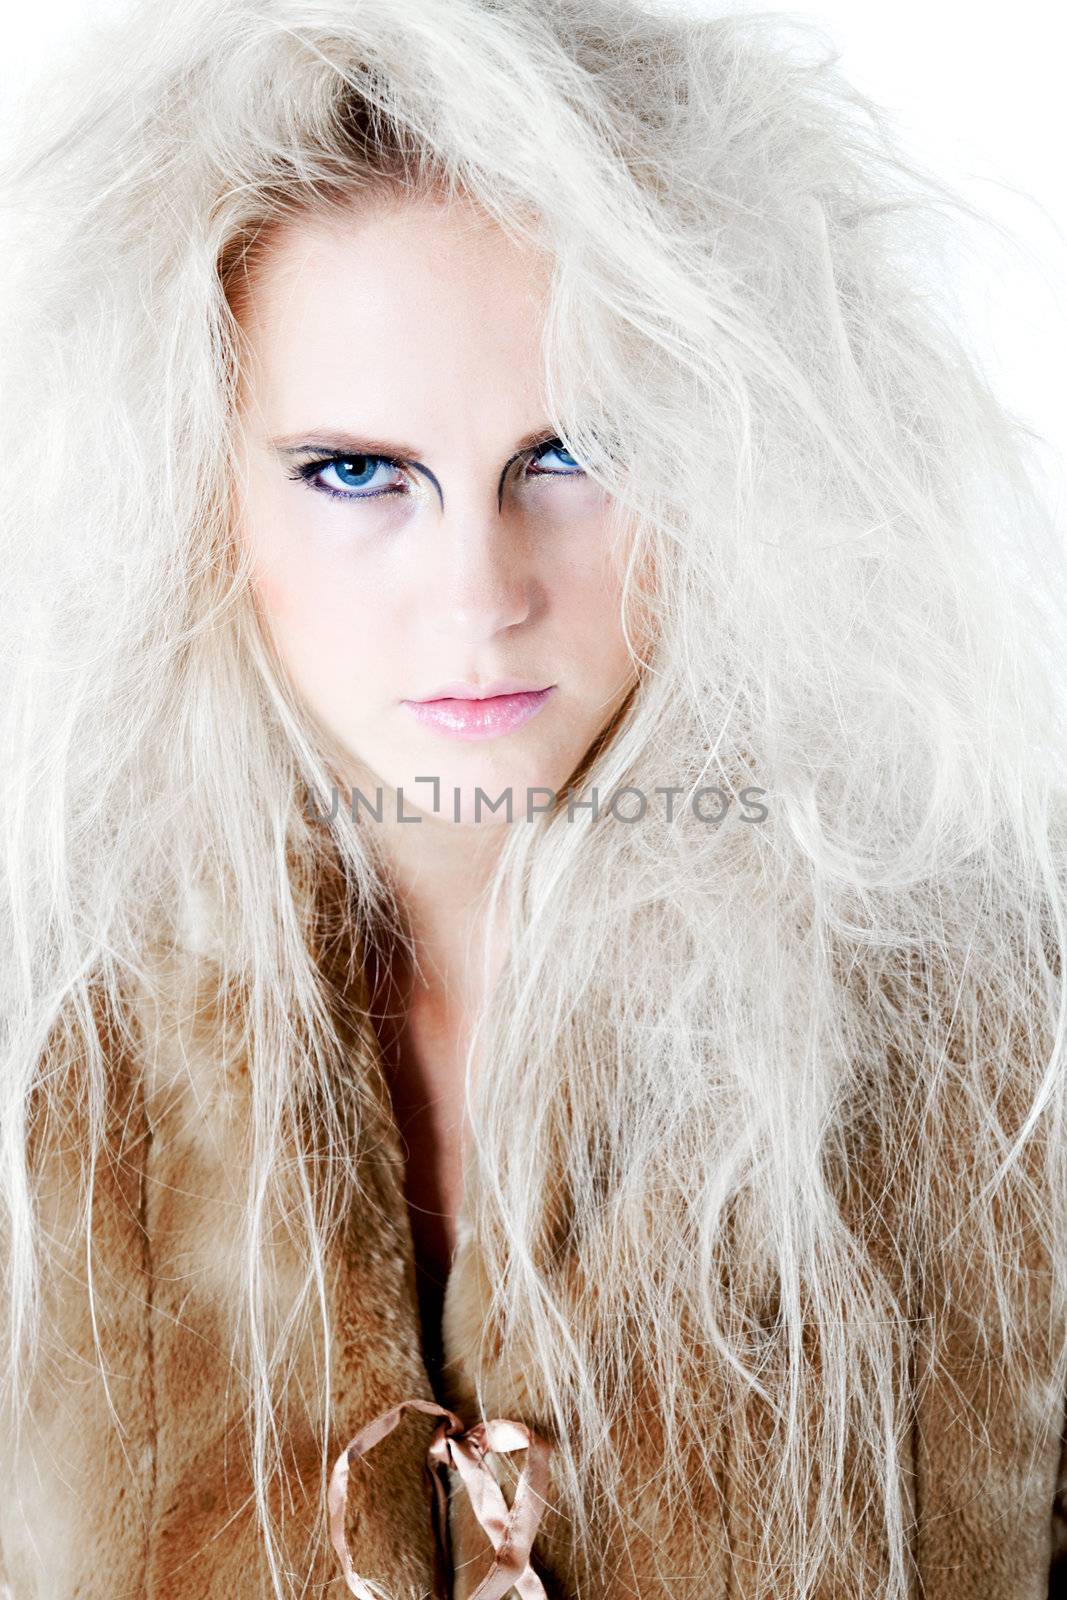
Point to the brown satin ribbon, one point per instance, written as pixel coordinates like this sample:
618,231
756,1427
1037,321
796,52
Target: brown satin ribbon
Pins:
511,1532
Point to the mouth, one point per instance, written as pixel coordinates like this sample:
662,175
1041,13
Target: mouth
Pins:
485,717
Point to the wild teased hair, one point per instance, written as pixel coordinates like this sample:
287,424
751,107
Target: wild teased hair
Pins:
859,601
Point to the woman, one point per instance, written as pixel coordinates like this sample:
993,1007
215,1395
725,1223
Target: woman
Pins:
533,874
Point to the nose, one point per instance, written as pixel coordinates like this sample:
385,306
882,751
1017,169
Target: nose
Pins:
484,580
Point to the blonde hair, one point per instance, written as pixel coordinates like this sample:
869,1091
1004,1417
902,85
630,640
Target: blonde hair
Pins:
858,607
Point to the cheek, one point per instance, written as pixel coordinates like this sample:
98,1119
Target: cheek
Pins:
297,592
273,592
308,615
587,595
263,535
291,594
342,654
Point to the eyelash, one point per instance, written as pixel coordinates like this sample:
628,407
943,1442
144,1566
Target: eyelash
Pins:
307,471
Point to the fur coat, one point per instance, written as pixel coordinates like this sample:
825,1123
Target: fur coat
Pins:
129,1476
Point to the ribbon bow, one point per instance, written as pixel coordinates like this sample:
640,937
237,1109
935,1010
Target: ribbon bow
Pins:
511,1532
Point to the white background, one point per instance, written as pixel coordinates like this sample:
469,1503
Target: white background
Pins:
979,93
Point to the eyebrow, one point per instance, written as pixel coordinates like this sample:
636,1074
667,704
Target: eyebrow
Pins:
331,440
360,445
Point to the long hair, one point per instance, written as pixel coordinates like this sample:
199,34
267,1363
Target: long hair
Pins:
858,609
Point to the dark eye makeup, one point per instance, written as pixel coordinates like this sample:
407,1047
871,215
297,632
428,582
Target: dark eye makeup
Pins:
357,473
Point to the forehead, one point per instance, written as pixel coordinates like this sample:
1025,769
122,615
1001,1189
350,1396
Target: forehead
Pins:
398,309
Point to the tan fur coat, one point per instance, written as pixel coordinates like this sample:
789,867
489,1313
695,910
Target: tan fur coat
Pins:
138,1486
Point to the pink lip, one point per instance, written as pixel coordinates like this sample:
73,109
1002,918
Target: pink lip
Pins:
479,691
485,718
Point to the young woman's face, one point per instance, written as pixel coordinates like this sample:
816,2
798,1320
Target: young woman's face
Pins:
481,558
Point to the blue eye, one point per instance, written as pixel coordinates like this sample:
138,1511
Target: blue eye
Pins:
554,447
355,475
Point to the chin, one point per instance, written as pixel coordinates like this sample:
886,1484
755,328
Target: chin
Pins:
483,801
479,767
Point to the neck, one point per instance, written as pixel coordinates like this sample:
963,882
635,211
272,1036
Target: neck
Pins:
440,873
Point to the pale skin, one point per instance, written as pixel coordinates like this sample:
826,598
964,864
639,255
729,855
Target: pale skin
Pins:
418,325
